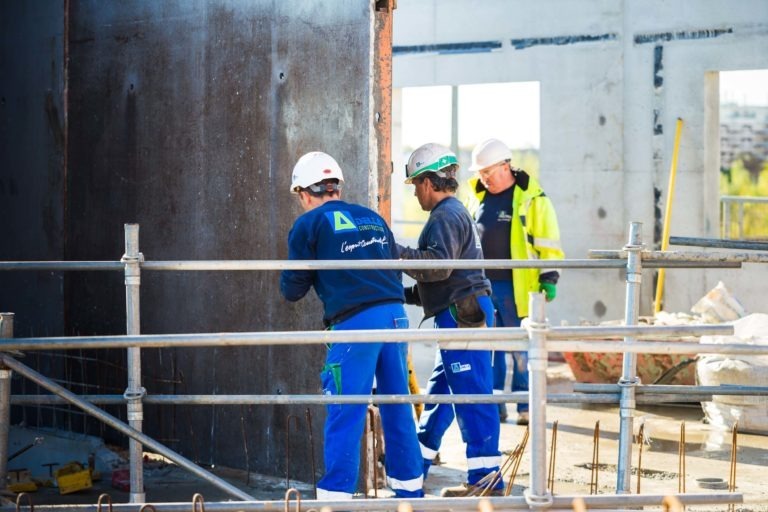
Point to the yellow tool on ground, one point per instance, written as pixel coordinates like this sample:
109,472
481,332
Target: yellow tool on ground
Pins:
73,477
413,386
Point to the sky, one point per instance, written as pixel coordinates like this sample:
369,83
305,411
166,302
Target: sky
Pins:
744,87
510,111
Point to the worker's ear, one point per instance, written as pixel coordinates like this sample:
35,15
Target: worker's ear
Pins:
304,199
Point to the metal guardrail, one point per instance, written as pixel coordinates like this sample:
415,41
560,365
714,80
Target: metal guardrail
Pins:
726,205
537,337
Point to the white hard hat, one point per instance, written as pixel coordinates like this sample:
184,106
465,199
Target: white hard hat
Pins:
312,168
488,153
430,157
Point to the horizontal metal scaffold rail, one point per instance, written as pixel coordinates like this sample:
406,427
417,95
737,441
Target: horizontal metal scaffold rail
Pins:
507,338
649,397
687,256
559,502
536,337
694,261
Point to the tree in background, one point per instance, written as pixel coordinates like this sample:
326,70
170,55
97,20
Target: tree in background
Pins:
748,176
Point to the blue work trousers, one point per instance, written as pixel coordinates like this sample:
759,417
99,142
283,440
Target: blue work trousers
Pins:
503,297
462,372
349,370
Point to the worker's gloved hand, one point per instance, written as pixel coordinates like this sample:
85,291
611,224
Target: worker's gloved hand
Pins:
549,289
412,295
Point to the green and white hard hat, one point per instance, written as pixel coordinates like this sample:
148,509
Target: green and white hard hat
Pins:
430,157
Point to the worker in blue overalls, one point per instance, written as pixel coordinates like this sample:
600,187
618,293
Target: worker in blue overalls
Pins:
455,298
331,229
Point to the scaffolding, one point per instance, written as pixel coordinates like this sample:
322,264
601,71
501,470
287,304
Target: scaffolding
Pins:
536,336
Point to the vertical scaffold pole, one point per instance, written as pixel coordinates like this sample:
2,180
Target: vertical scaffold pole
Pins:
6,331
629,379
134,392
537,495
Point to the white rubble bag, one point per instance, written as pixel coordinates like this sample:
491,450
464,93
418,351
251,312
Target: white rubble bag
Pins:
726,369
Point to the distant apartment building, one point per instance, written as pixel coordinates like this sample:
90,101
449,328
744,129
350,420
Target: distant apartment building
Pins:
742,129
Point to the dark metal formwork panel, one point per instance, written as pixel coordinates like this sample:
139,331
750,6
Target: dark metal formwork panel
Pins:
31,162
186,117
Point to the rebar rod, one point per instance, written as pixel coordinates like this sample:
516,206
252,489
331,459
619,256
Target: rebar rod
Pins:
681,460
640,443
517,455
468,503
595,468
288,419
129,431
629,380
552,459
732,472
308,416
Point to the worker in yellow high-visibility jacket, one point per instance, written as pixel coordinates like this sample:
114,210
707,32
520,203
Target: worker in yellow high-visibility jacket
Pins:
516,220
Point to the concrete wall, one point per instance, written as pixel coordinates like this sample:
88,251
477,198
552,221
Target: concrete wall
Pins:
186,118
614,77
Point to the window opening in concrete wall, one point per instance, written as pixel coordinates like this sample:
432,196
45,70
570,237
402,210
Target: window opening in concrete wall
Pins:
508,111
743,139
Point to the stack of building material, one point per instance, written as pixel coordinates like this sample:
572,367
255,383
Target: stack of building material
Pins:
726,369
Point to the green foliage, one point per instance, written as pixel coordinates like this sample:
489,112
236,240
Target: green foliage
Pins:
740,181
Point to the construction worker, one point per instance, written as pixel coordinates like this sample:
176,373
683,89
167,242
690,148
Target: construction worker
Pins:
455,298
331,229
516,220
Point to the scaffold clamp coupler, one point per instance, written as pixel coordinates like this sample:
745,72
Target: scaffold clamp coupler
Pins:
135,394
534,501
624,383
531,326
132,259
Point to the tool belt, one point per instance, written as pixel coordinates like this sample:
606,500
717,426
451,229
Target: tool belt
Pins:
468,312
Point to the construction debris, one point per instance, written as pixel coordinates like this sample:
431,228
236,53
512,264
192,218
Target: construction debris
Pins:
751,412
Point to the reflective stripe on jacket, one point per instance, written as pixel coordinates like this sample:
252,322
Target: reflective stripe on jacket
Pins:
534,234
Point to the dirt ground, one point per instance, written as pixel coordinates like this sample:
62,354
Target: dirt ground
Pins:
707,449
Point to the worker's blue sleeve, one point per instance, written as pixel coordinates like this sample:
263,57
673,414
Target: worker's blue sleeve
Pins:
294,284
